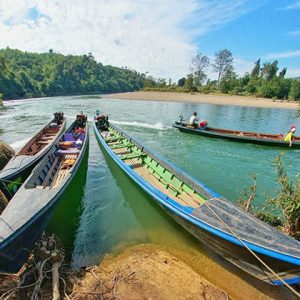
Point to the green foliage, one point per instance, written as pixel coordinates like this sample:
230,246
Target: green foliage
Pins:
24,74
269,218
248,195
287,200
189,82
295,90
278,87
269,70
255,71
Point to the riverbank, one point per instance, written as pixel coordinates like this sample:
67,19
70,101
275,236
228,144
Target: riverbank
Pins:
207,99
141,272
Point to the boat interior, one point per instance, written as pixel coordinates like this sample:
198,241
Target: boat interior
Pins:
54,170
40,141
152,171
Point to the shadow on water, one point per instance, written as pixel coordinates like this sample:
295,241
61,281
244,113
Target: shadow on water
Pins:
65,220
161,229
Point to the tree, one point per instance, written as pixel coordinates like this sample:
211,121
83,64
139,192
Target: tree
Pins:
269,70
223,63
199,64
189,82
181,81
295,91
256,69
282,73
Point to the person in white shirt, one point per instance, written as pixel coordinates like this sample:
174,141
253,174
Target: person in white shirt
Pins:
194,120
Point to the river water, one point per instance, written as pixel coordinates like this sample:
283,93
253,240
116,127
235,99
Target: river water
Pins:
103,212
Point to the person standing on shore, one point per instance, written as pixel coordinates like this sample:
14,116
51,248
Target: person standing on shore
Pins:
193,120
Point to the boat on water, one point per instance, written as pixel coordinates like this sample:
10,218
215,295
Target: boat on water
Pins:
266,139
219,224
31,208
21,164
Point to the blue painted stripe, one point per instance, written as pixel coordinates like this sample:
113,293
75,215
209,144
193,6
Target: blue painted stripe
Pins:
185,212
293,280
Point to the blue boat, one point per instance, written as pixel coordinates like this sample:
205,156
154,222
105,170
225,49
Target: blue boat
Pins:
223,227
29,211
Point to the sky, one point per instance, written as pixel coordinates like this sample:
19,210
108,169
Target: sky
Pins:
157,36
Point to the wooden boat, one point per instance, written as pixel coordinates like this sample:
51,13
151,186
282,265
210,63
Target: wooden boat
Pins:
29,211
275,140
21,164
221,225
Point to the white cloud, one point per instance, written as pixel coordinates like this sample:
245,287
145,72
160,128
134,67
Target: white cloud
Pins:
295,5
286,54
155,36
290,73
294,33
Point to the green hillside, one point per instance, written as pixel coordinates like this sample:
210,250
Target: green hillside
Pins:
25,74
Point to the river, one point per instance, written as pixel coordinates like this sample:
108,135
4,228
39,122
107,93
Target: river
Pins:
106,212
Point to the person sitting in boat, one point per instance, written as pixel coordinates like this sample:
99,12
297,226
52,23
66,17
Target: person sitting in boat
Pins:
203,124
193,120
102,123
58,117
97,115
289,137
81,120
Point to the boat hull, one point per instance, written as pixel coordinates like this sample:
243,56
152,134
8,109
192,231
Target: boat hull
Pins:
212,133
16,246
236,254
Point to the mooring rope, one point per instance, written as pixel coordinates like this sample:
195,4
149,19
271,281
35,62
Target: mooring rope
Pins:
252,252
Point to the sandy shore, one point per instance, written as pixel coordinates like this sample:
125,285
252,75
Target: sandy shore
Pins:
203,98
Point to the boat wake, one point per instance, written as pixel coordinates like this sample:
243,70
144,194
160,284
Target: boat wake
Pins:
157,126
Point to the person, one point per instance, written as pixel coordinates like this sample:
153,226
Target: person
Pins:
81,120
289,137
193,120
102,122
203,124
97,115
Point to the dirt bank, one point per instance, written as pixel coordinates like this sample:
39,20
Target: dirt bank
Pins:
6,153
203,98
145,272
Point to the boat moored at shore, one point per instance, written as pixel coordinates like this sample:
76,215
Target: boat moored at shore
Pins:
220,225
31,208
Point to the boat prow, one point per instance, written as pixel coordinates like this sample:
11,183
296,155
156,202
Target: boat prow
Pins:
22,163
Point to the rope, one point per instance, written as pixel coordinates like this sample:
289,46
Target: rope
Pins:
253,253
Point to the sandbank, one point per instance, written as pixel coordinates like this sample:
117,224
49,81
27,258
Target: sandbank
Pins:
208,99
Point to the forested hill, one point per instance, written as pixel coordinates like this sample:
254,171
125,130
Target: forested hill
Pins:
25,74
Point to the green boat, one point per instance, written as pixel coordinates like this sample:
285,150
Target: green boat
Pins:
219,224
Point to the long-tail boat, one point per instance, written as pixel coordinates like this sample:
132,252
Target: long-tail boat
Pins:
21,164
222,226
31,208
266,139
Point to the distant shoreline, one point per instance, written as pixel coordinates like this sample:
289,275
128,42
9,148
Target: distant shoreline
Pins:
207,99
